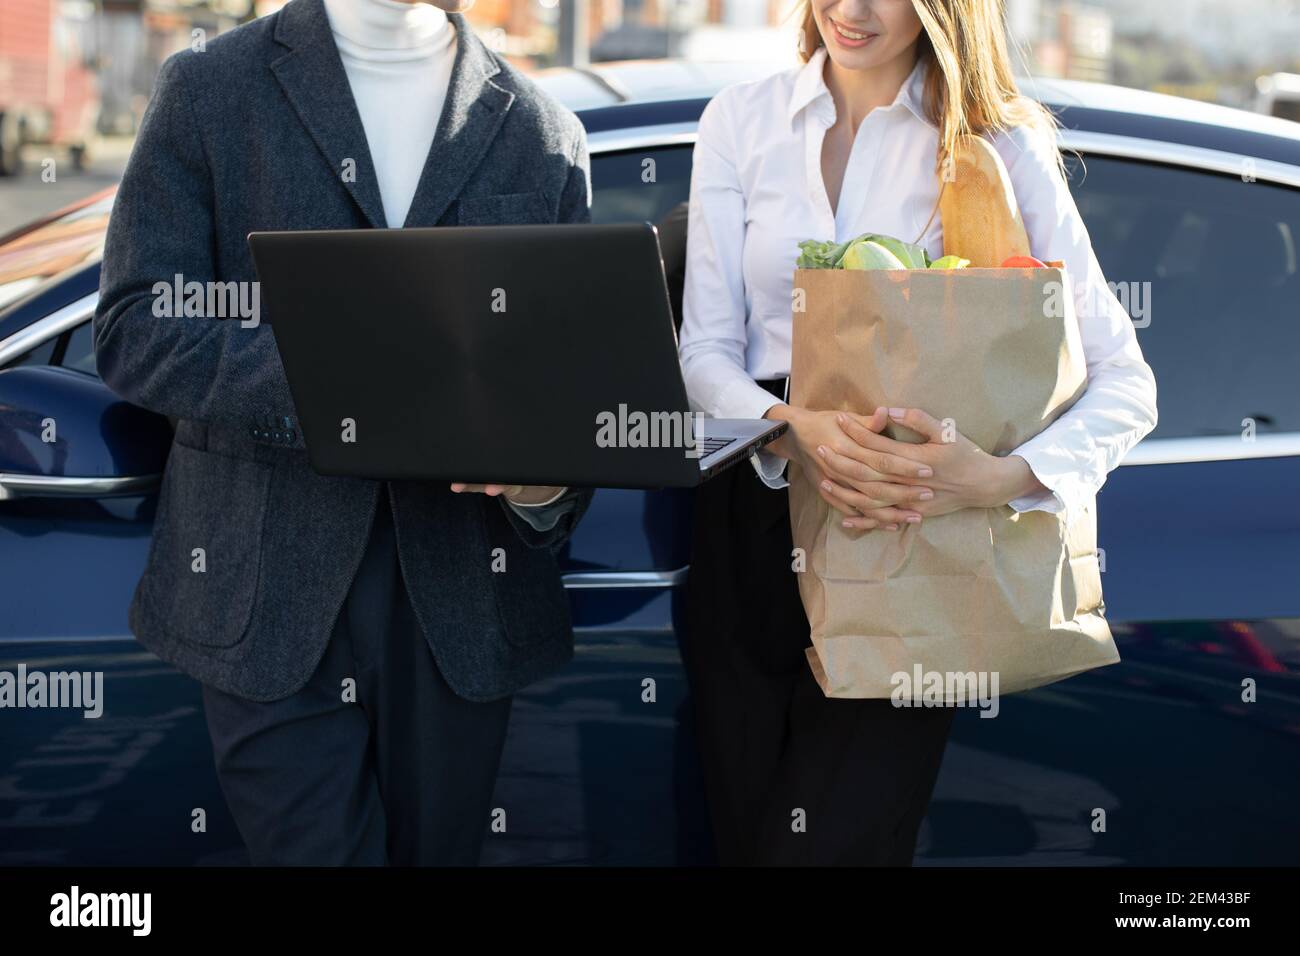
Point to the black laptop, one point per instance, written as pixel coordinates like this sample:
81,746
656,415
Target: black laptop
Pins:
540,355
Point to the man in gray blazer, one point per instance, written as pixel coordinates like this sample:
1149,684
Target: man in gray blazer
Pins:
358,641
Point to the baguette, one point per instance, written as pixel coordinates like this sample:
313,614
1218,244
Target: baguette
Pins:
981,221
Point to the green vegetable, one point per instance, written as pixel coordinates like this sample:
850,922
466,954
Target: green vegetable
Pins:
911,256
868,254
815,254
950,262
821,255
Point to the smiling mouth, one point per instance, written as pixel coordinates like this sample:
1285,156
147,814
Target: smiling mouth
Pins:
850,34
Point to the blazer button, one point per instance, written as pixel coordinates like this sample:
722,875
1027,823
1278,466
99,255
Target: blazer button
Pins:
289,437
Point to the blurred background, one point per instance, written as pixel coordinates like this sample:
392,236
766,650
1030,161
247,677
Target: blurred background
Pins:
75,75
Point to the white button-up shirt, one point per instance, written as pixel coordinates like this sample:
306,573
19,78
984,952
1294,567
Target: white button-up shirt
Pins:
757,191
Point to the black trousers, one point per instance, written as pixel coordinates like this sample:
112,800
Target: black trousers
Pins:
792,777
399,773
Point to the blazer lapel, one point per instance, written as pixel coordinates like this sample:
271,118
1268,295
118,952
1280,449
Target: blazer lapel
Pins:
313,79
471,117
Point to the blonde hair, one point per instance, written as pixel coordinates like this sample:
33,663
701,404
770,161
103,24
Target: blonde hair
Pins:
969,86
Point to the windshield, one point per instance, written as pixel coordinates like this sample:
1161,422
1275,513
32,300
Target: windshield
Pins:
37,258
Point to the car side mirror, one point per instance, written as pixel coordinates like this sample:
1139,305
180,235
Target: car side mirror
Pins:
64,434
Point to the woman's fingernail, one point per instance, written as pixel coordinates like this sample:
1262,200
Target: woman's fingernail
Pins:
821,450
926,473
926,495
826,486
913,519
847,523
840,418
897,412
892,527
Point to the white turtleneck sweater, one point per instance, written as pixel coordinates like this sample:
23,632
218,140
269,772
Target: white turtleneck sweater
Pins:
398,58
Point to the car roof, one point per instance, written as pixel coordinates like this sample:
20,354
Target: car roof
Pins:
645,81
1121,99
628,94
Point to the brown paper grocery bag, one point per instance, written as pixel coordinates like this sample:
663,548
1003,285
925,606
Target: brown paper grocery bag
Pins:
996,354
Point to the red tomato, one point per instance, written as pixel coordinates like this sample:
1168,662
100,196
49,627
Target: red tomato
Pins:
1024,262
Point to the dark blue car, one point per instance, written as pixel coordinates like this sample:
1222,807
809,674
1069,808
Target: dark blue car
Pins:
1189,745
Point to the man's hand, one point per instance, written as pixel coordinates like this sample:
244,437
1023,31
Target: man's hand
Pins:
516,494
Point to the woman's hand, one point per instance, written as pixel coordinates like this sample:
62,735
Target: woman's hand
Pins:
865,484
519,494
964,475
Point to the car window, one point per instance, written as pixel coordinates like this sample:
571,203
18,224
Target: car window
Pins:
40,355
77,349
74,349
639,185
1207,266
36,259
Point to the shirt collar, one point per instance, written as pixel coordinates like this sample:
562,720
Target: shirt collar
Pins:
810,87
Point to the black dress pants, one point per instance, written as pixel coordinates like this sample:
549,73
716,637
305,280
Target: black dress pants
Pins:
792,777
401,773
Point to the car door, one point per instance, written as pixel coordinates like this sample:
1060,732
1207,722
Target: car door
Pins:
69,559
75,790
1202,522
1188,745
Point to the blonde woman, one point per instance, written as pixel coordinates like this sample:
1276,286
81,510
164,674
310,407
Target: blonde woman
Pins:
851,142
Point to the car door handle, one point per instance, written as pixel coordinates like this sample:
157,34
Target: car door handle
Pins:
62,486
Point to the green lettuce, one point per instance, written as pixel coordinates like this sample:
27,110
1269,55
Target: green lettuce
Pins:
814,254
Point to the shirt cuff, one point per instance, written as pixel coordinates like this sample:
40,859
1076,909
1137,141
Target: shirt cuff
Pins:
770,469
539,504
746,399
1061,491
1047,501
542,515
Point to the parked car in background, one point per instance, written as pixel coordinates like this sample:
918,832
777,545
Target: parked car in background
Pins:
1278,94
1189,744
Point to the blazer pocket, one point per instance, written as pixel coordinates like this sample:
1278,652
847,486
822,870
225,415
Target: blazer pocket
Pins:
205,560
503,209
